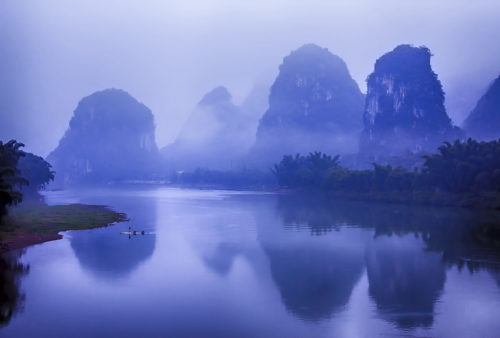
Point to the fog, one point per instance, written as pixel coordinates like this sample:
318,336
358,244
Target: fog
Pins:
168,54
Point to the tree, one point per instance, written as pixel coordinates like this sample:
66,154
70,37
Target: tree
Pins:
464,166
36,170
9,174
305,171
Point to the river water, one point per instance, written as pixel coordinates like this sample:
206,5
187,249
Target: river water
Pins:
245,264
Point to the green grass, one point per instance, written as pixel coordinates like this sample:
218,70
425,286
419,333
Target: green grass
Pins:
49,220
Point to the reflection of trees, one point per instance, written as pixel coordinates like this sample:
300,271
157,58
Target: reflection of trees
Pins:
495,273
405,281
11,299
313,213
463,237
109,254
406,273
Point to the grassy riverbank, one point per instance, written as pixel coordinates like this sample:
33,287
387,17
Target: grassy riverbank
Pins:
30,224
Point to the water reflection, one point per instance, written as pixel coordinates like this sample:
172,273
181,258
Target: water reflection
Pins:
314,282
316,274
221,259
11,298
406,257
226,264
405,280
107,253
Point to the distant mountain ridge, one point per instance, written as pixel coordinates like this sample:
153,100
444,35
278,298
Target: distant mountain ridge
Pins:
314,104
483,123
404,108
218,133
111,136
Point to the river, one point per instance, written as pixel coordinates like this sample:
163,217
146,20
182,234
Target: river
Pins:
219,263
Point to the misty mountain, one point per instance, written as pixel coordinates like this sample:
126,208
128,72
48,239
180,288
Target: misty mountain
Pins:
314,105
483,123
218,133
404,109
111,136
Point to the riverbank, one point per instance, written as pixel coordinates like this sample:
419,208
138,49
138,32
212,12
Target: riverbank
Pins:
29,224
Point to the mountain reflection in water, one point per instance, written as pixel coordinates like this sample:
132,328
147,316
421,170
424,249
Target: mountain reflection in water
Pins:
110,256
253,264
406,273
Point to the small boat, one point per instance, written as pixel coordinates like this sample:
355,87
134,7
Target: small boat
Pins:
136,233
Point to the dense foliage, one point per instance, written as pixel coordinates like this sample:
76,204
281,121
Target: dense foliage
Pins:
301,171
10,177
36,170
465,166
21,173
457,167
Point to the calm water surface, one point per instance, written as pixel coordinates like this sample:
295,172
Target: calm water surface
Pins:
241,264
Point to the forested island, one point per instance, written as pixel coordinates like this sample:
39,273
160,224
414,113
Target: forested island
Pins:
32,221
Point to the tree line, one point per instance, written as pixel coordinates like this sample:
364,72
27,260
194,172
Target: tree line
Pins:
21,174
458,167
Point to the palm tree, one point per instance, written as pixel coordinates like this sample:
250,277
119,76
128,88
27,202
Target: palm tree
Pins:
9,174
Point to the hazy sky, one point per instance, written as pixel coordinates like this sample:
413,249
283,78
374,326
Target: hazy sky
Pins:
168,54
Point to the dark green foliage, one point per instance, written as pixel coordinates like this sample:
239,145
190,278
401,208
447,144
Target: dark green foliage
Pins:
305,171
457,167
36,170
464,166
380,178
9,174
